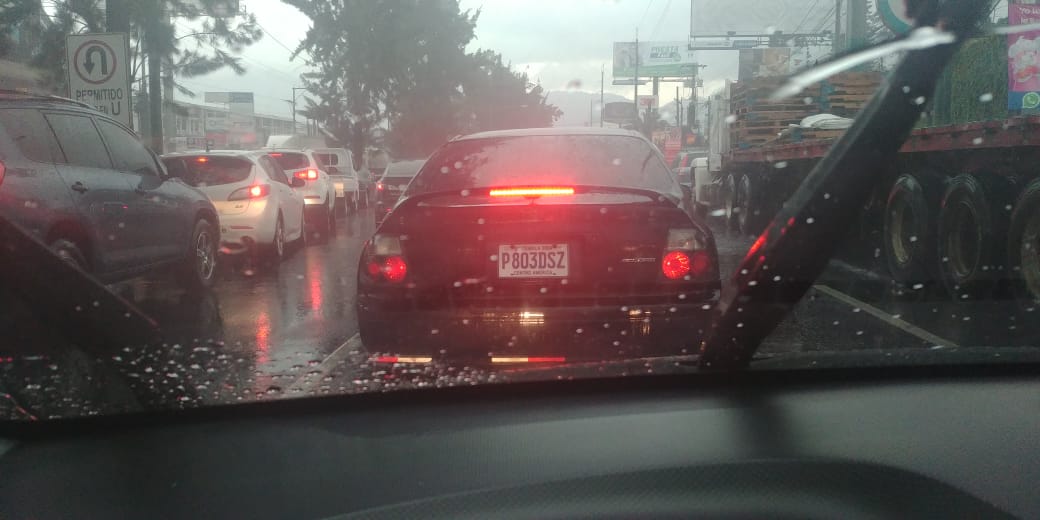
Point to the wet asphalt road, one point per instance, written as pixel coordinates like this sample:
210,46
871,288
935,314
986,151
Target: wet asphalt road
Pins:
290,330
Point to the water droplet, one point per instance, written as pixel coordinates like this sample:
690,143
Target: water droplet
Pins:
857,309
444,169
977,141
96,303
826,196
489,289
859,332
706,306
730,119
920,100
752,283
780,165
682,296
808,100
1007,208
543,290
603,211
986,98
457,284
836,322
672,309
918,286
810,220
458,165
906,89
740,325
777,278
579,331
435,331
616,162
464,193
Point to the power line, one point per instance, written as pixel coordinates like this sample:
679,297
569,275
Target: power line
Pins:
276,40
660,21
645,11
805,18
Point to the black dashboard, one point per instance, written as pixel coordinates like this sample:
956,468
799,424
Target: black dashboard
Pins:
934,443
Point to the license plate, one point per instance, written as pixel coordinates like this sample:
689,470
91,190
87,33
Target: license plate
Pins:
533,261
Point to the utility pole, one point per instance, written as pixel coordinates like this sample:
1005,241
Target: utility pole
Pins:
857,26
636,84
117,16
293,103
601,72
155,101
836,46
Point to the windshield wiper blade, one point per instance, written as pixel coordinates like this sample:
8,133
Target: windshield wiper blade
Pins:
797,245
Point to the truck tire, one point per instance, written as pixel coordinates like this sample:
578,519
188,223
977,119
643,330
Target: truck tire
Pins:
730,204
1023,243
750,216
967,240
909,229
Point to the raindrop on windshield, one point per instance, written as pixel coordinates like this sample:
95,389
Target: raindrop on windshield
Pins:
986,98
444,169
920,100
810,220
780,165
464,193
616,162
906,89
977,141
730,119
918,286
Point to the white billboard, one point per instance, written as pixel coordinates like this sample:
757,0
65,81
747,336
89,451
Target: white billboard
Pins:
715,18
654,59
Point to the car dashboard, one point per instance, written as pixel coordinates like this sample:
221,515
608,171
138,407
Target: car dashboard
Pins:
936,443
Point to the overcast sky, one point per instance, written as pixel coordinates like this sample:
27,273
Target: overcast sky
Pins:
558,42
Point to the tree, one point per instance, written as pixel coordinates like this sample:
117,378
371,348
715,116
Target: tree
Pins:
403,63
153,28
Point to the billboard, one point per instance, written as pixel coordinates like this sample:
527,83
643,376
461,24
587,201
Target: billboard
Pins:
764,63
655,59
714,18
1024,59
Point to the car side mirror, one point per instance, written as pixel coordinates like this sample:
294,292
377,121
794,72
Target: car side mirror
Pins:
297,182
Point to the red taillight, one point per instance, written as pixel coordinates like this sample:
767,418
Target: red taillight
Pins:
275,154
395,269
3,170
675,265
257,191
307,175
379,186
540,191
402,359
202,159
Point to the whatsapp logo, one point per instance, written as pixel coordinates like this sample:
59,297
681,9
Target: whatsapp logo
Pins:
1031,100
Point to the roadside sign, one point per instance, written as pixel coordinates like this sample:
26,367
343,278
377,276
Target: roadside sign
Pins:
893,15
99,72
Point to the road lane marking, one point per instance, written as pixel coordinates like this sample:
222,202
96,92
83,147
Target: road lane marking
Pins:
909,328
311,381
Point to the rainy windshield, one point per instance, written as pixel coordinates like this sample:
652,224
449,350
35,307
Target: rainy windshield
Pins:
544,191
620,161
290,161
212,170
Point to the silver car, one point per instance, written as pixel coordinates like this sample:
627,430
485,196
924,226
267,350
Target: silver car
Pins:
261,209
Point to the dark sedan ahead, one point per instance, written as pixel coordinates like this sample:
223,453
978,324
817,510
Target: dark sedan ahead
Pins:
514,246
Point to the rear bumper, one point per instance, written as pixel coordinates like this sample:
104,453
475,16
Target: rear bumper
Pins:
240,233
577,333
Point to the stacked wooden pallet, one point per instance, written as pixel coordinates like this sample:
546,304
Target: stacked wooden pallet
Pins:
757,119
845,94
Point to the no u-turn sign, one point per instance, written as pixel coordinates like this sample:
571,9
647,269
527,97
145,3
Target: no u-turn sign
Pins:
99,73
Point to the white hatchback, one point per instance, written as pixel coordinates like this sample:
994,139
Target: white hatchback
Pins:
261,209
319,193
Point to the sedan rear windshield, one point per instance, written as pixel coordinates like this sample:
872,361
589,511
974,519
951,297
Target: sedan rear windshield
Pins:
209,170
290,161
594,160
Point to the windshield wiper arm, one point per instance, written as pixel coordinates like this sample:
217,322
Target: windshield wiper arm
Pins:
797,245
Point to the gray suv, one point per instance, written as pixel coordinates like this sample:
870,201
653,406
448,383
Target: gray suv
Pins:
83,184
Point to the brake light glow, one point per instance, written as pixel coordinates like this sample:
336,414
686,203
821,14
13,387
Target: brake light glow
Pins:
275,154
543,191
402,359
3,170
675,265
379,186
395,269
256,191
515,360
307,175
202,159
